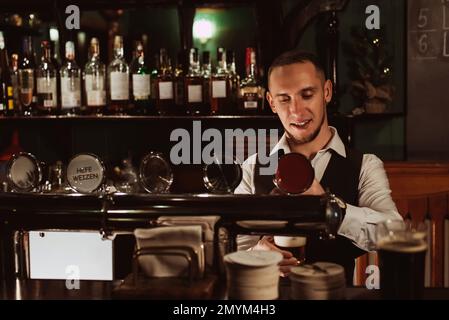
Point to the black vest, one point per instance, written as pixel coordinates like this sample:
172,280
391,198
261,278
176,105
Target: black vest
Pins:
342,178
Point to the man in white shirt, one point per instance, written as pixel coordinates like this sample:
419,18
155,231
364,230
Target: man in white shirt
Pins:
298,94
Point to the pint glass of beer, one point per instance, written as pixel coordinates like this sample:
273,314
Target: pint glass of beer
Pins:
402,252
296,245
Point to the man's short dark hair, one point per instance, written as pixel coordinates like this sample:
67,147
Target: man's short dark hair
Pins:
296,56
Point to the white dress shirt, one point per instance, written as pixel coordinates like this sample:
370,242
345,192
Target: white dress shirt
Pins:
359,223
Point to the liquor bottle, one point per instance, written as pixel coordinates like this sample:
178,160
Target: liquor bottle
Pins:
70,82
140,81
94,80
118,81
206,73
179,86
165,98
54,55
57,63
153,82
47,96
6,86
251,92
3,93
234,79
27,67
14,72
220,91
194,97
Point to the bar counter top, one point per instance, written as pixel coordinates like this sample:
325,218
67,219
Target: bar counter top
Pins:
103,290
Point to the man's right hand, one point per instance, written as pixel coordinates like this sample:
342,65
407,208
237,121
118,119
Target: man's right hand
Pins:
267,244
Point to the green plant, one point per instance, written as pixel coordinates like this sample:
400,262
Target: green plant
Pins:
370,67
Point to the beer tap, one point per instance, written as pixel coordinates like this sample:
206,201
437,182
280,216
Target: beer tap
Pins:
334,214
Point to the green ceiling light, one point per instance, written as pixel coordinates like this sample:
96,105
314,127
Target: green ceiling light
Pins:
203,30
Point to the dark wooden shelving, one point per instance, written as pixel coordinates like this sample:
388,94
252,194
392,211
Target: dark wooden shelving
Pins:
362,117
135,118
20,30
374,116
42,5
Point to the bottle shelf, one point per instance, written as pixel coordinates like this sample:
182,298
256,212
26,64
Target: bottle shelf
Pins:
136,118
20,30
363,117
374,116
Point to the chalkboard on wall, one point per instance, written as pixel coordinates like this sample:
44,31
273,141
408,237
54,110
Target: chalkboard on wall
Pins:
428,80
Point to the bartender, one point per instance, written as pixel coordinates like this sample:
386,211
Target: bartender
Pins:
298,94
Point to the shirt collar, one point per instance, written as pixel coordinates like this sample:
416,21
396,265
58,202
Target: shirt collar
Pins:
335,144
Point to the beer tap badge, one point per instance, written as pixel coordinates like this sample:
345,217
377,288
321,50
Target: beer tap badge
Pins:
24,172
85,173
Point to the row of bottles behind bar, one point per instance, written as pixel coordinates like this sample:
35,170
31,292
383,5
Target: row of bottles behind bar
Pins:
46,89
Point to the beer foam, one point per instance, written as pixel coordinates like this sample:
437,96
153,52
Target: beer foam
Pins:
402,245
290,242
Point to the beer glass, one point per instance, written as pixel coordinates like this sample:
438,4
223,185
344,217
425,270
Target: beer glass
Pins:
294,174
295,245
402,251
